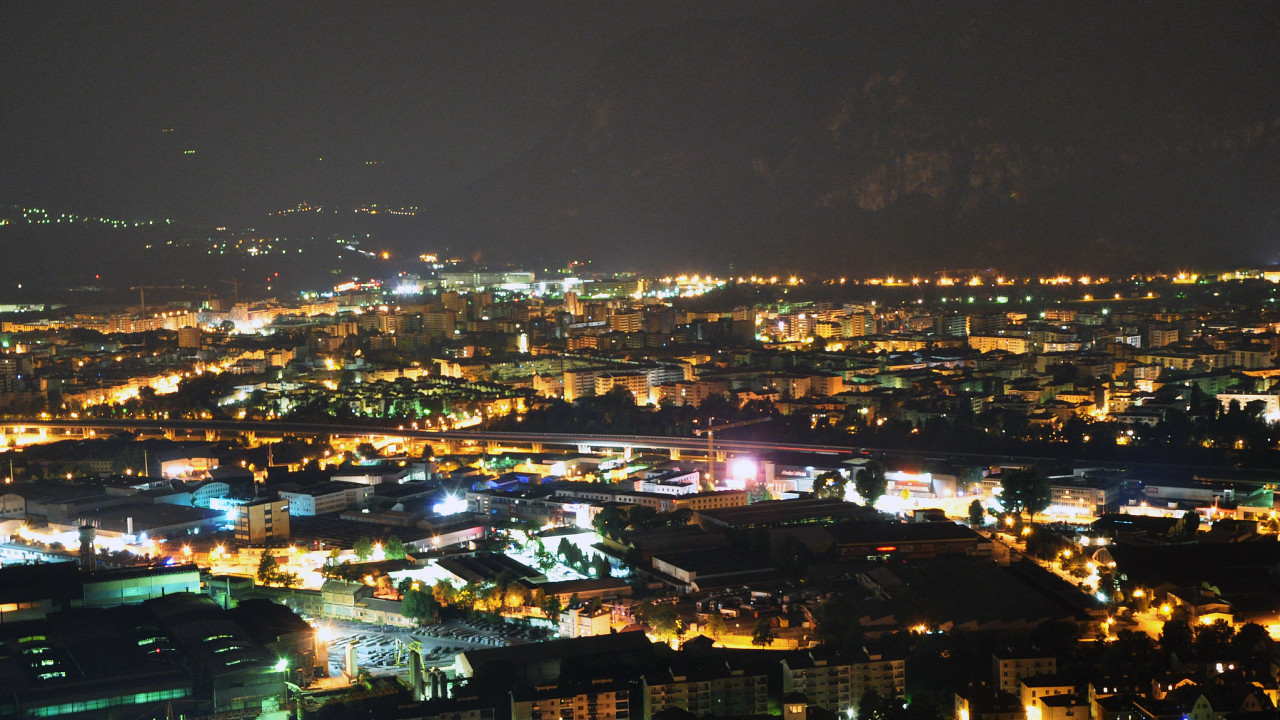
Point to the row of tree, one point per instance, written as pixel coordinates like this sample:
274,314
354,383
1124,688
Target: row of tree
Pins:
870,482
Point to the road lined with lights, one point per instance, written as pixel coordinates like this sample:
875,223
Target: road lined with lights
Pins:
656,442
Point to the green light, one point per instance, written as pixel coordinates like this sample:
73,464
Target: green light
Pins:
281,665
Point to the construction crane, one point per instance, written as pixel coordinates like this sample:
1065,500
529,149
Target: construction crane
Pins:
142,293
711,431
235,287
190,290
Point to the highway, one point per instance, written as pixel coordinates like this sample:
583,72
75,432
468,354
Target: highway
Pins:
644,442
696,445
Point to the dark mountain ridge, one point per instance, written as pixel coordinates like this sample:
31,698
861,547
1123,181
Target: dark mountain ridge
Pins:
1030,137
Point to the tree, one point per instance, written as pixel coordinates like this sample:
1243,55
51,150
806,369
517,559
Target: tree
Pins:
268,569
571,553
665,622
363,548
600,564
758,493
1024,489
640,517
829,484
976,513
871,482
716,626
1176,637
869,704
762,635
551,606
269,572
1251,642
340,571
970,478
837,622
632,558
394,549
444,593
610,521
419,606
1214,640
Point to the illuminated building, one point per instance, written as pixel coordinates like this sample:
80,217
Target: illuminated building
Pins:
636,383
686,392
475,281
1081,494
1268,403
189,337
981,703
783,478
327,497
669,482
1011,667
1062,707
355,601
263,522
581,382
10,374
626,321
130,586
1008,343
714,500
1159,336
837,683
585,622
1032,689
705,689
600,699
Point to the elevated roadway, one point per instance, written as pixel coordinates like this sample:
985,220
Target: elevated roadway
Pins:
583,442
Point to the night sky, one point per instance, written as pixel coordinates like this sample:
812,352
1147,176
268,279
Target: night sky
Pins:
262,91
539,131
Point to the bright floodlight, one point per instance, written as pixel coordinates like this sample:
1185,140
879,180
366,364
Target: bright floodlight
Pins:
450,506
282,664
743,469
